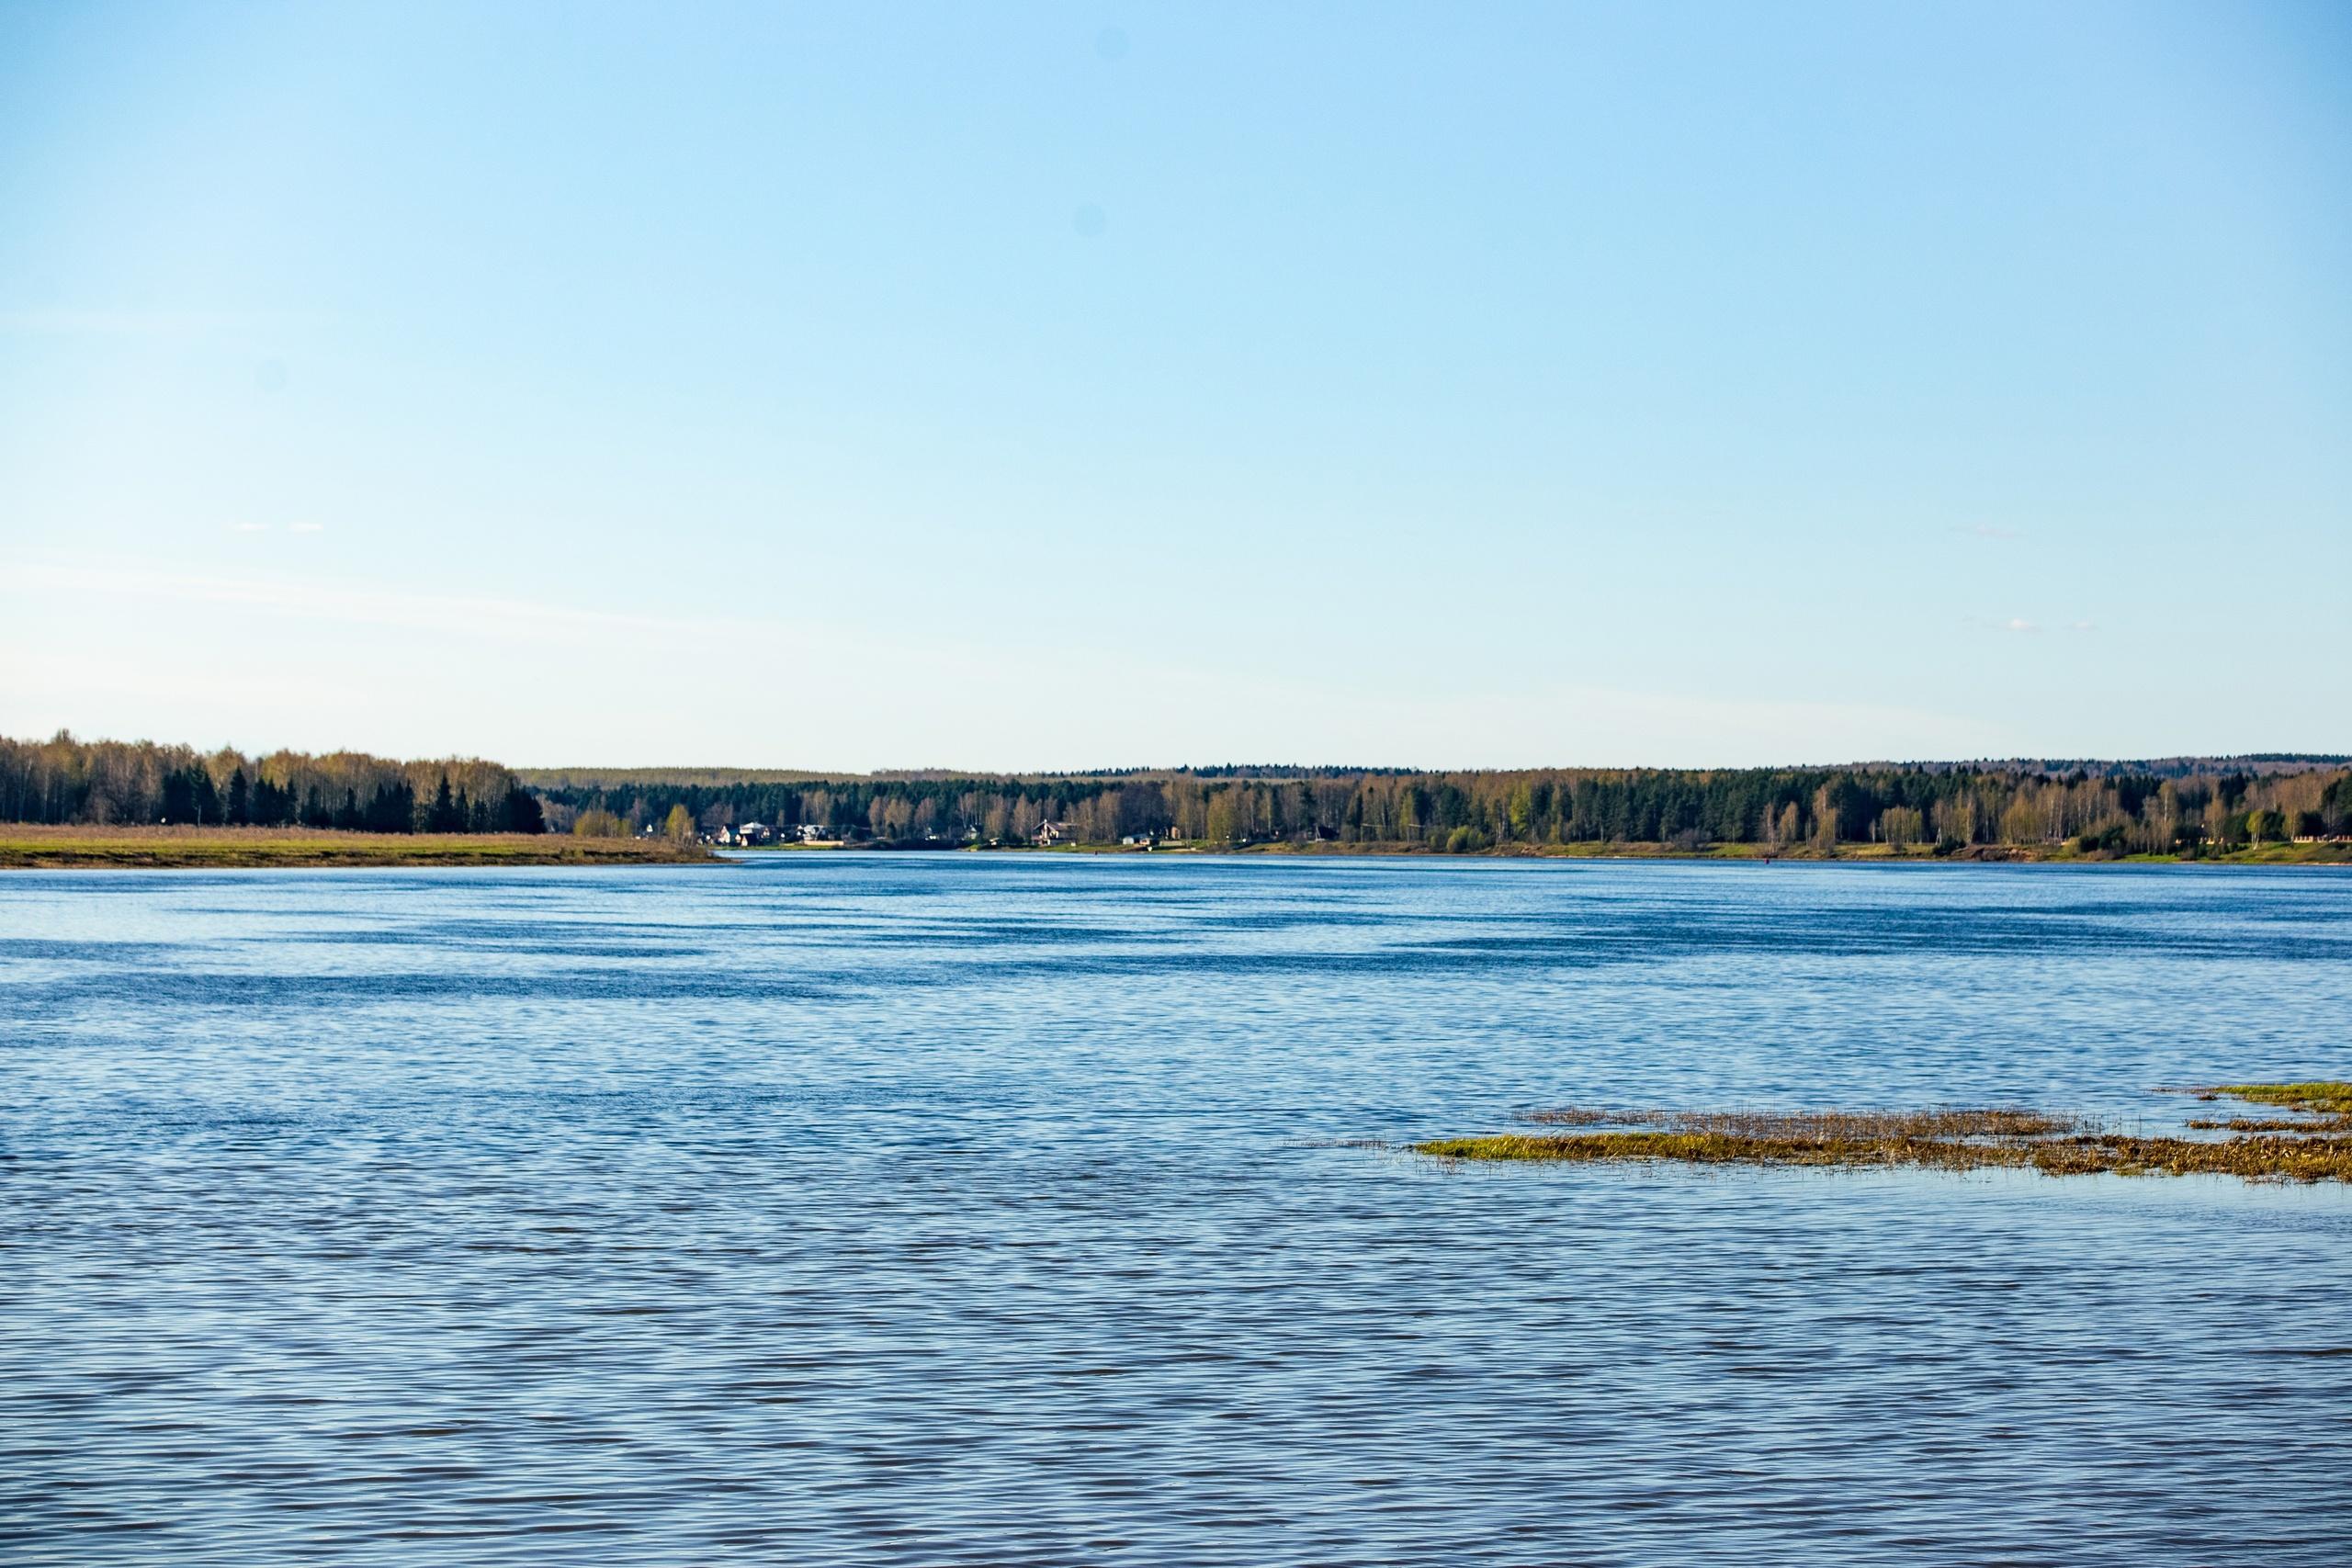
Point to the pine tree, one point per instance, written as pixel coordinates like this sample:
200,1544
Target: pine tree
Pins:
523,813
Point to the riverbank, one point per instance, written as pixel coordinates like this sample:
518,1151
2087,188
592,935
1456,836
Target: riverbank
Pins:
31,847
2247,854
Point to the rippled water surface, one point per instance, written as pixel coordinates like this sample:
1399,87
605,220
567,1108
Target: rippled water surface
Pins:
961,1209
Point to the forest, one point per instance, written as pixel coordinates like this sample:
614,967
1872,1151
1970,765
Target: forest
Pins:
2156,808
2172,806
115,783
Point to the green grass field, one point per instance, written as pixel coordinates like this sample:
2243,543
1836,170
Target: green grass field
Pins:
26,846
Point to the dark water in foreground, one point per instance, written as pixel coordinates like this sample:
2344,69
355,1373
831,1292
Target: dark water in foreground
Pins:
933,1209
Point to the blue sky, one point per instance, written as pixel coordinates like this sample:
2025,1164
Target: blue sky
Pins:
1034,386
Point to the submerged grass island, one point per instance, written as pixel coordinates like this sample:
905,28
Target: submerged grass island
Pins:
2313,1143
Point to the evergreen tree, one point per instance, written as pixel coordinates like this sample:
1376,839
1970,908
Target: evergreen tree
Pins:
393,809
523,813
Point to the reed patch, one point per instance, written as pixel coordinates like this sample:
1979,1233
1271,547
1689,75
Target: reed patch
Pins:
2318,1147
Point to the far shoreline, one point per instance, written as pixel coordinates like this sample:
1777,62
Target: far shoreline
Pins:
2323,854
77,847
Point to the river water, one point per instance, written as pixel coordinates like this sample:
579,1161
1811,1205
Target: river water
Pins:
943,1209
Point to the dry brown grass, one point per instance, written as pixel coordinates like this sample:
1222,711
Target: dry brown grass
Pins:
28,846
2321,1098
1850,1125
2002,1137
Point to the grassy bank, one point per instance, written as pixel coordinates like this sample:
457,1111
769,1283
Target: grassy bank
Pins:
1599,848
26,846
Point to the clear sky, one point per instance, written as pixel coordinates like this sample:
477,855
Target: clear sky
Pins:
1042,386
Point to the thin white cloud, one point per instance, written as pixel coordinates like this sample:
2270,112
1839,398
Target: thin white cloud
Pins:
2021,626
436,702
114,323
1989,531
307,528
54,688
313,599
109,323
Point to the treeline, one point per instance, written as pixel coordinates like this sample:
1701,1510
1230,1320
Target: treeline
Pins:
114,781
2097,807
1945,806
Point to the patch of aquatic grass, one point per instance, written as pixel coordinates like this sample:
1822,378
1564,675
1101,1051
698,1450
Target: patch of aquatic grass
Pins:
2255,1158
2320,1106
1954,1140
2005,1121
2323,1097
1723,1148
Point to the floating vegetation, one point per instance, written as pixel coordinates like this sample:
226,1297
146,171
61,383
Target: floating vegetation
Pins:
2007,1122
2316,1149
2324,1097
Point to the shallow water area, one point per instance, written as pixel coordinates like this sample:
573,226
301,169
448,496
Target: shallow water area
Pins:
998,1209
